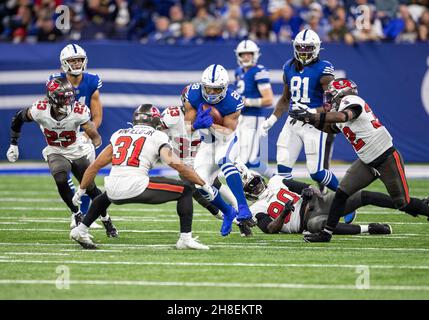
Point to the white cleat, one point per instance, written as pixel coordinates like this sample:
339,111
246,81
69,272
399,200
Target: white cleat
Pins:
190,243
76,218
83,238
95,225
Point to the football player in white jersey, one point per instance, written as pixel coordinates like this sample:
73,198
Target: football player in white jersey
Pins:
252,81
132,153
87,86
290,206
377,157
60,118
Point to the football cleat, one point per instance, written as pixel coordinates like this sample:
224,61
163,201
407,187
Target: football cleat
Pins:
95,225
350,217
379,228
245,216
245,230
321,236
111,231
76,218
190,243
227,221
83,238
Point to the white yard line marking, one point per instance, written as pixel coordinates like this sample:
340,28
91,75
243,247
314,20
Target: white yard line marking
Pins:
98,250
216,264
36,253
230,246
218,284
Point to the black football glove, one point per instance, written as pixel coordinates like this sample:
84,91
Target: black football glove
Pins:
289,207
307,194
303,115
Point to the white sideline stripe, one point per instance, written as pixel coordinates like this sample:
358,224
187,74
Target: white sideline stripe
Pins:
218,284
98,250
13,223
233,246
216,264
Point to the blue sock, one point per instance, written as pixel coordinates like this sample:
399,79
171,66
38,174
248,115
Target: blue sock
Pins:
218,201
284,171
326,178
84,206
233,179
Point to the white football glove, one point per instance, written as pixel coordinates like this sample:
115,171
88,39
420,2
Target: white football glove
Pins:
244,171
210,192
267,124
297,105
12,153
76,198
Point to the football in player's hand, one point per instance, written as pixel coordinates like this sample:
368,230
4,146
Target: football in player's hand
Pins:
217,117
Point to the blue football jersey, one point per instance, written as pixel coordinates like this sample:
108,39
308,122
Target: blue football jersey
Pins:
89,84
304,85
230,104
246,83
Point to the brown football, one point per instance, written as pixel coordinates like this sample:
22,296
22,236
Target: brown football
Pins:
217,117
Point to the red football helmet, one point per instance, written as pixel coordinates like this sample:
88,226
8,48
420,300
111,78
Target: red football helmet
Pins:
337,89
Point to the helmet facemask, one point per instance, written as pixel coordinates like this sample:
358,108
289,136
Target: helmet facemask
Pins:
212,94
306,53
254,187
214,83
247,46
338,89
61,95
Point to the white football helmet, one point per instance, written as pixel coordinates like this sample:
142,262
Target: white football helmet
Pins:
73,51
247,46
306,46
214,83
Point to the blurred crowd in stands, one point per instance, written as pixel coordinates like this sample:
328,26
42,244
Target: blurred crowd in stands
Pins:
198,21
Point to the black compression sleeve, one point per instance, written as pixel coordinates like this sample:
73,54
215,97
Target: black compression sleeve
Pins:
321,121
17,121
263,221
295,186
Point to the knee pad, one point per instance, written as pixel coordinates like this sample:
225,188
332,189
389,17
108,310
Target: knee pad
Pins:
61,178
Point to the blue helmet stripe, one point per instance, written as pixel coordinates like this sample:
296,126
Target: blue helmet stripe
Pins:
213,74
74,47
305,32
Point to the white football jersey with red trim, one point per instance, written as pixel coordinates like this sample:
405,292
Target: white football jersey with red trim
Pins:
366,134
183,147
61,135
135,152
273,204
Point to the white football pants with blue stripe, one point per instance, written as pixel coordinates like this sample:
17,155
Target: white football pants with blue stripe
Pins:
289,144
249,128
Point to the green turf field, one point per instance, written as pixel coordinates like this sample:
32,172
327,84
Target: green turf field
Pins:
36,255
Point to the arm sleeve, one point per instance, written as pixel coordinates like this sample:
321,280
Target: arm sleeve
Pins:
295,186
16,125
263,221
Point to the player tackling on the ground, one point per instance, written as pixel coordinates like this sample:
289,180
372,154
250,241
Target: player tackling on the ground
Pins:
378,158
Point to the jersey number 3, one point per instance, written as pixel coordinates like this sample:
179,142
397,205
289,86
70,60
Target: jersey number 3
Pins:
124,143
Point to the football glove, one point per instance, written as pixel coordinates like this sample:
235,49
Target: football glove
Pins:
307,193
267,124
12,153
303,114
203,119
76,197
289,207
209,193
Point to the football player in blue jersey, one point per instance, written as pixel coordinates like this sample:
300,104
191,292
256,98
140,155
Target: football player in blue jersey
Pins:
86,85
305,78
252,81
218,149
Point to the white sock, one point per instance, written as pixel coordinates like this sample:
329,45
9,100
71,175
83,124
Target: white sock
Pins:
105,218
227,194
186,235
82,227
364,228
219,215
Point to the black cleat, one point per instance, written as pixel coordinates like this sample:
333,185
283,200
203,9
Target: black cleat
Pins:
245,230
379,228
321,236
111,231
